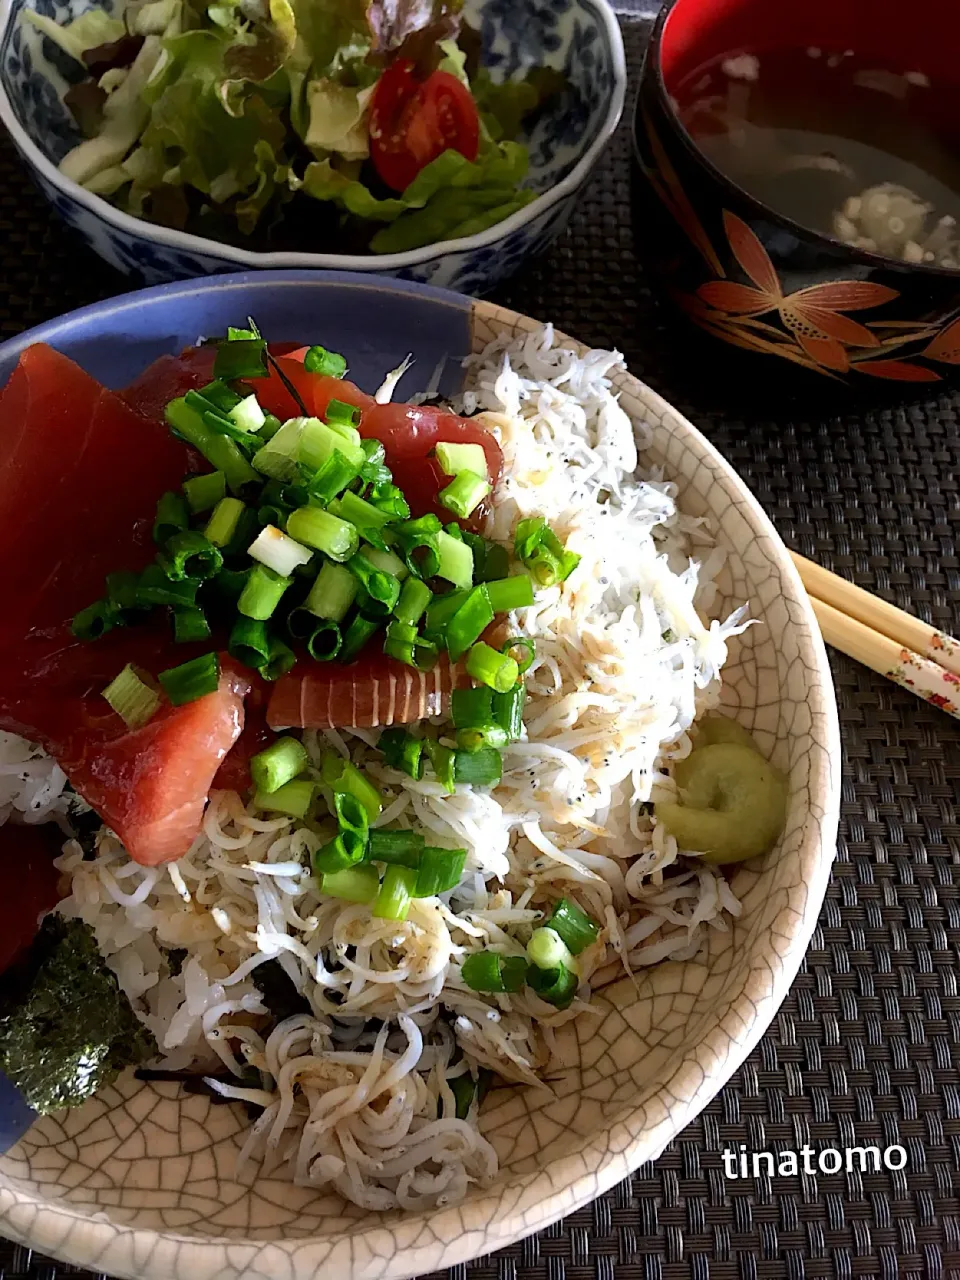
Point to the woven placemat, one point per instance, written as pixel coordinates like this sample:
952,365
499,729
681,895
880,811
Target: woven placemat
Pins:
866,1048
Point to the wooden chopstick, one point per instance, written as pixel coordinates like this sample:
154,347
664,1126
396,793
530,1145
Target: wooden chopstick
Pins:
896,645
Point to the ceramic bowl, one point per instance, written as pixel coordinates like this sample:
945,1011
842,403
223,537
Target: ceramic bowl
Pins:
818,316
139,1182
579,37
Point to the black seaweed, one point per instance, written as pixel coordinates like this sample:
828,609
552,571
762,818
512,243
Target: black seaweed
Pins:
279,994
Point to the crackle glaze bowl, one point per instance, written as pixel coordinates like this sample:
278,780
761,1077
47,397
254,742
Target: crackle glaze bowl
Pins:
139,1181
580,38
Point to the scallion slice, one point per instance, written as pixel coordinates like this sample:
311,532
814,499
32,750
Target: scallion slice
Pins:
191,680
132,699
574,926
439,870
359,632
249,643
457,458
490,971
278,552
361,513
498,671
510,593
344,850
241,358
96,620
417,539
482,768
220,451
508,711
320,440
443,762
122,590
414,598
522,649
325,641
154,587
464,494
400,847
490,735
351,814
190,624
396,890
355,884
555,986
340,411
229,583
328,363
333,592
440,611
401,750
528,536
385,496
468,623
189,555
247,415
547,950
464,1091
278,764
342,776
173,516
336,538
280,660
293,798
277,459
262,593
223,522
387,562
380,586
271,425
471,708
204,492
455,560
332,477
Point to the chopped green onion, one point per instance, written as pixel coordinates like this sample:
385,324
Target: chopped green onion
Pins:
414,598
355,884
217,395
275,515
262,593
122,590
547,950
342,776
444,763
247,529
374,471
361,513
464,494
464,1091
190,624
457,458
496,670
336,538
417,539
400,642
489,735
332,593
271,425
387,562
496,561
249,643
219,451
468,623
528,536
387,497
555,986
510,593
573,925
402,751
241,335
191,680
490,971
343,851
132,699
522,650
320,440
154,587
396,890
224,521
229,583
293,798
339,411
455,560
508,711
439,613
400,847
380,586
332,477
542,552
471,708
96,620
482,768
241,358
277,459
191,555
439,870
173,516
280,660
278,552
544,566
204,492
325,641
328,363
359,631
247,415
351,814
278,764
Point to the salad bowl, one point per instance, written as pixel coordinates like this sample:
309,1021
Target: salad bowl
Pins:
578,38
140,1182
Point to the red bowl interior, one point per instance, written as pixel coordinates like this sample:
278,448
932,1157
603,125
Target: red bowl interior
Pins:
922,35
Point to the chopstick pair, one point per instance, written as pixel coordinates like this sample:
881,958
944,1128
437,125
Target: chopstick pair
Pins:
885,639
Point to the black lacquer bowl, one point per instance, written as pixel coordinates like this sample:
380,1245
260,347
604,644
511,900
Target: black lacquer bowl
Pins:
796,311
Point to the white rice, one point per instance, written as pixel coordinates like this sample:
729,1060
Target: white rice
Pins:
624,665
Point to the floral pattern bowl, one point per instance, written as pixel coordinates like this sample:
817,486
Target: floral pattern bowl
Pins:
580,38
140,1182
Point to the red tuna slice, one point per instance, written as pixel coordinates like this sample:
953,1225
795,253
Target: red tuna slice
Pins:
30,884
149,785
168,378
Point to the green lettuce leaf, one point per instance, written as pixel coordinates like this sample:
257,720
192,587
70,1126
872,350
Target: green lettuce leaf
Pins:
450,214
323,182
95,27
338,119
272,178
504,107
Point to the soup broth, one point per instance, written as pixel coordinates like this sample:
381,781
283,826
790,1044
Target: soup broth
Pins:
865,154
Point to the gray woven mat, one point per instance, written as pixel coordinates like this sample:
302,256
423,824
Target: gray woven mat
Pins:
866,1048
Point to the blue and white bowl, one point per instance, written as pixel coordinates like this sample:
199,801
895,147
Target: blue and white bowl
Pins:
581,38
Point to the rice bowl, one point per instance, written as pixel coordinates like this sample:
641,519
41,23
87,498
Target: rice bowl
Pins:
514,833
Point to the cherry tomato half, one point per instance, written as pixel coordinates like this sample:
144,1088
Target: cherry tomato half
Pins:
413,121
